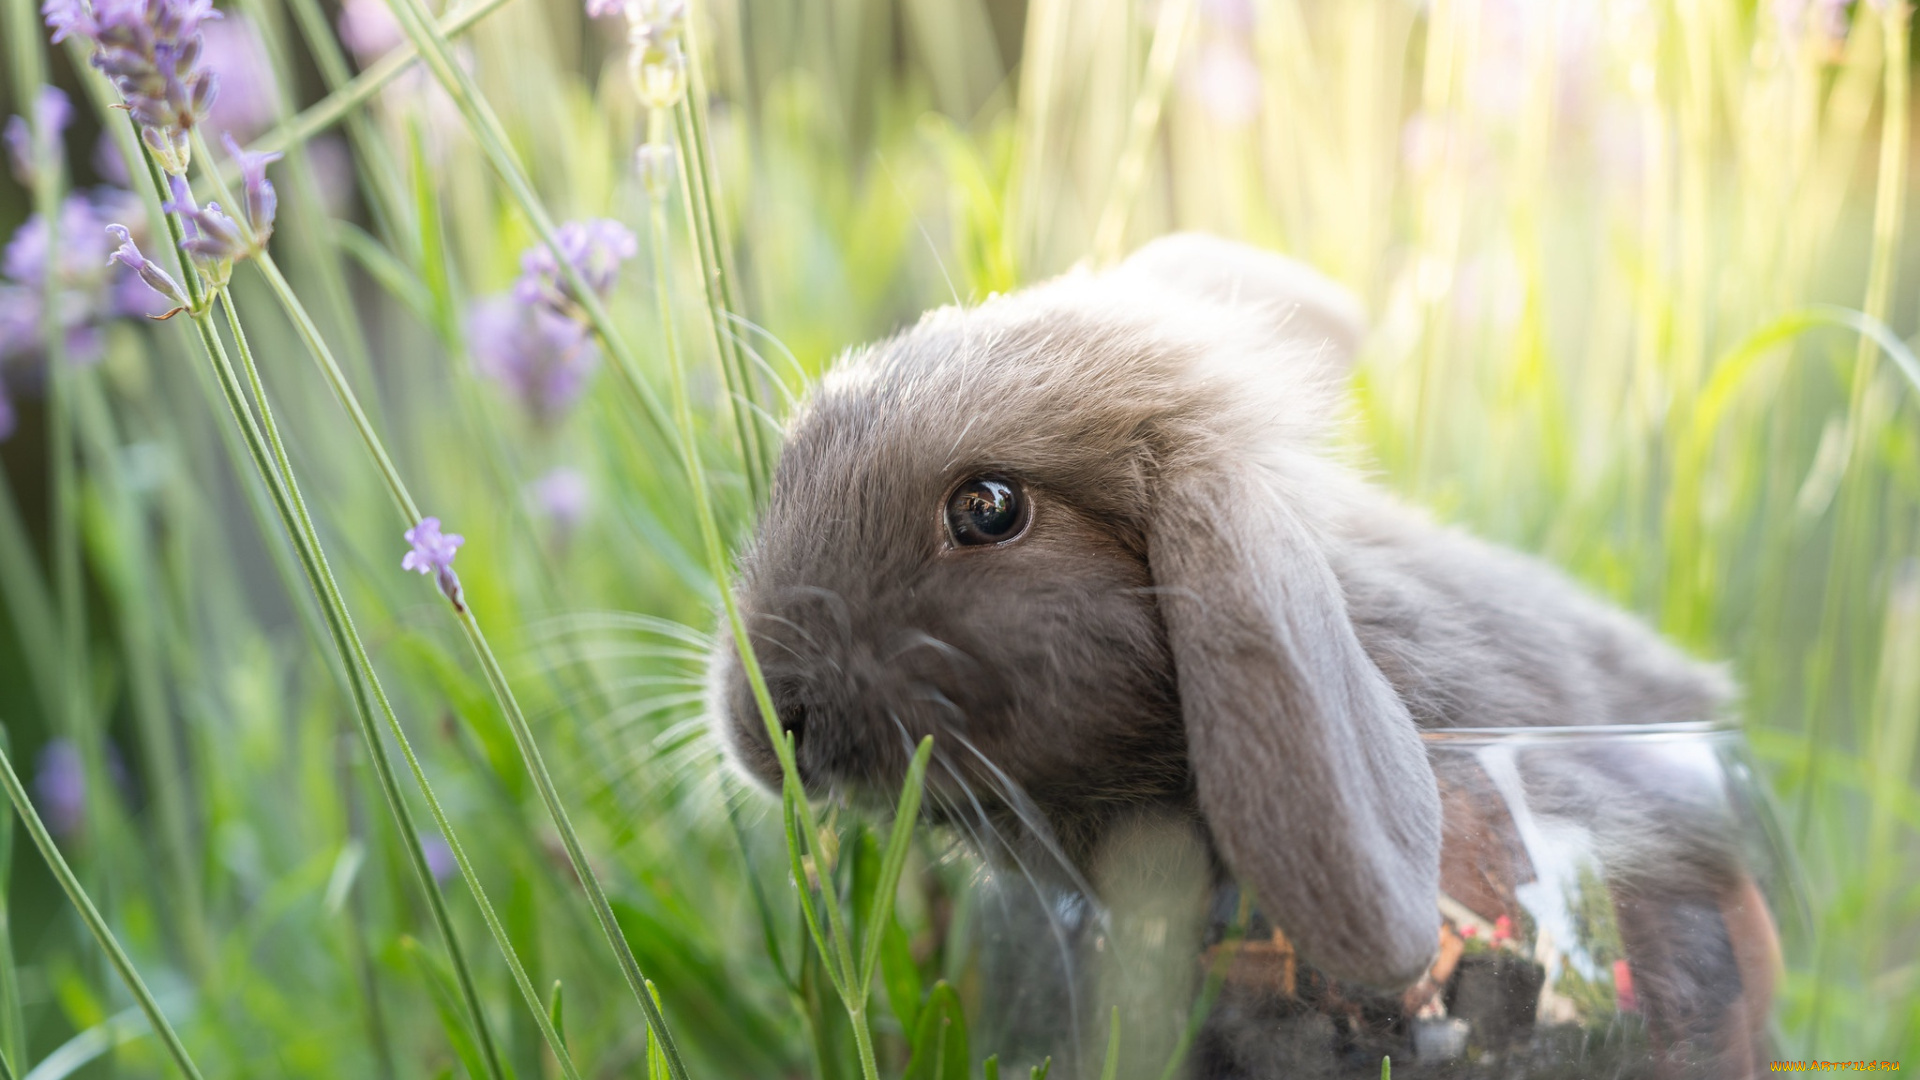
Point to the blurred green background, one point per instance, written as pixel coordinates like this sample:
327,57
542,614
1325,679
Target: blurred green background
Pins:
1595,238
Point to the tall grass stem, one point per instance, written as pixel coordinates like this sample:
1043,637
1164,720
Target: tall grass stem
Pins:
37,829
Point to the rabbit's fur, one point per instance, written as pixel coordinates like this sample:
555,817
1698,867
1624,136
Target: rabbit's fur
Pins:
1210,612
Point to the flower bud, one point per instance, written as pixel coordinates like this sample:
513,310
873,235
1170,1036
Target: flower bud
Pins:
655,164
657,65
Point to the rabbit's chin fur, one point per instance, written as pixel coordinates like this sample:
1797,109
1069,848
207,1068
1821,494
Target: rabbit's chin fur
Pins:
1209,612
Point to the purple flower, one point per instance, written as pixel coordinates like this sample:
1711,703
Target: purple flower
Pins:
1827,19
67,18
151,50
260,198
22,337
51,114
83,247
433,553
595,248
60,783
1236,15
156,278
432,549
369,29
19,326
1226,82
88,292
249,94
212,238
440,861
562,495
542,357
7,419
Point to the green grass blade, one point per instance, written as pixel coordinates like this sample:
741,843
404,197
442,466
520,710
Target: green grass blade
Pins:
96,925
336,106
763,909
796,843
906,815
27,601
371,159
446,1002
706,226
13,1024
1131,170
91,1045
1111,1069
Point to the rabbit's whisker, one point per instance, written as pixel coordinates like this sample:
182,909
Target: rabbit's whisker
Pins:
796,654
1055,928
588,621
920,639
1022,806
931,693
805,635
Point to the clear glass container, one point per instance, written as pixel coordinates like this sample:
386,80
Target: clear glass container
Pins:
1612,904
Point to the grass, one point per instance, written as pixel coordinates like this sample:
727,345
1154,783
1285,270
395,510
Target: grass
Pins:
1632,269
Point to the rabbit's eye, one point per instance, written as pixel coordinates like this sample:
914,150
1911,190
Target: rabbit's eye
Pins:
986,510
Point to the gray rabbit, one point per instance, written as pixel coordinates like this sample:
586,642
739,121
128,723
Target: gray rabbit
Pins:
1092,537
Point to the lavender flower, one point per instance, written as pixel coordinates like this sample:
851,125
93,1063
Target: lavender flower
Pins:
1822,23
369,29
87,292
415,97
1226,82
260,198
82,245
657,63
67,18
595,248
156,278
440,861
654,162
51,114
19,331
562,495
60,782
151,50
433,553
250,95
212,238
542,357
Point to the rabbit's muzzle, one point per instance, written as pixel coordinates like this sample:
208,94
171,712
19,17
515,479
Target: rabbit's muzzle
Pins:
855,711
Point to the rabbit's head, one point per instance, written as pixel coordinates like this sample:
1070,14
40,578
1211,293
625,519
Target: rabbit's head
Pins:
1080,535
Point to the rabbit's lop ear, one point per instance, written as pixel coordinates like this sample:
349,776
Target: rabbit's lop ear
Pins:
1310,771
1299,303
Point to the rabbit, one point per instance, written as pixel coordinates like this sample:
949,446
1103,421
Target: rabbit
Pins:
1092,536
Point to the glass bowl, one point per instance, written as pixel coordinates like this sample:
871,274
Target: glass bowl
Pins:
1611,906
